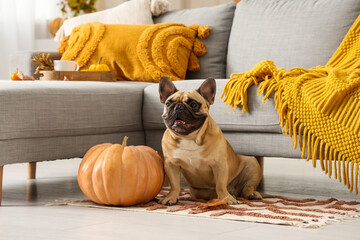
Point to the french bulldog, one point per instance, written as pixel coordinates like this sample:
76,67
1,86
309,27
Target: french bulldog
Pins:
194,145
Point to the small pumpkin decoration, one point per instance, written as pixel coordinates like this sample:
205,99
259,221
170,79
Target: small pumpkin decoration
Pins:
99,67
19,76
120,175
14,77
55,24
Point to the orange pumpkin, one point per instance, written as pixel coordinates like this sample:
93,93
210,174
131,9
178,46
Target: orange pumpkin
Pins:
55,24
120,175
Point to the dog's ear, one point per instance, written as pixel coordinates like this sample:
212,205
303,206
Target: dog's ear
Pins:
208,90
166,88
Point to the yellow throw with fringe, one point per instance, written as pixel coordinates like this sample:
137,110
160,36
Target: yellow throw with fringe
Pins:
318,107
137,52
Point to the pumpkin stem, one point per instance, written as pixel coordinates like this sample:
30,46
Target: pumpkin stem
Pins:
124,141
100,60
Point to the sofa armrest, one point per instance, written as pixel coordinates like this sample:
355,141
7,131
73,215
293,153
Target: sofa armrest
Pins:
22,61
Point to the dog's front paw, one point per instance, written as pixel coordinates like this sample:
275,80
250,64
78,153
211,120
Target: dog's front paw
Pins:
231,200
168,200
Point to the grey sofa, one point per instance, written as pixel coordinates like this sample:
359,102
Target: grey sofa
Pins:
48,120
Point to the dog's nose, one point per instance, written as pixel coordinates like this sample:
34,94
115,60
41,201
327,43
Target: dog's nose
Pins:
179,107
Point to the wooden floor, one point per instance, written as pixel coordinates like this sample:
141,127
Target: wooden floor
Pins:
24,214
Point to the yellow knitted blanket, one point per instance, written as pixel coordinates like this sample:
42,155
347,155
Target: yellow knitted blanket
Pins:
319,107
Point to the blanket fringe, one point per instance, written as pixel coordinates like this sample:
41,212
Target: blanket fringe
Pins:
334,159
331,160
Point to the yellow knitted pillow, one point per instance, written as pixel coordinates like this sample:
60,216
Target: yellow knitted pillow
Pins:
137,52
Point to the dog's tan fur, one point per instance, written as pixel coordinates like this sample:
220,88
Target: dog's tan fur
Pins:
206,159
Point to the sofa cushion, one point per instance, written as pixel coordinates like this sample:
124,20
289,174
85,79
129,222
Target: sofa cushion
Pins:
219,18
31,109
130,12
262,117
251,144
291,33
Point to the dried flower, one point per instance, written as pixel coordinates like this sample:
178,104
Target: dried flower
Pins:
77,6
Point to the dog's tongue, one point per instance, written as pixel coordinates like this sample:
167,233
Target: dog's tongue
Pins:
179,122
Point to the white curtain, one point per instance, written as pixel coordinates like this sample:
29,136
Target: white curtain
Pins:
17,31
23,23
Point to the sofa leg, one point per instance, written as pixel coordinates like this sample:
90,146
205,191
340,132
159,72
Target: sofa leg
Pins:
31,168
261,163
1,177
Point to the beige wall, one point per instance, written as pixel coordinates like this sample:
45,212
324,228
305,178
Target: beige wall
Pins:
105,4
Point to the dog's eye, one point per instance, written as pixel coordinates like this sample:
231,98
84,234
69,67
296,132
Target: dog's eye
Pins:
168,103
193,105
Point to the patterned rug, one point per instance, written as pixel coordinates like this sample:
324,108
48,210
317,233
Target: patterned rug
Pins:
307,213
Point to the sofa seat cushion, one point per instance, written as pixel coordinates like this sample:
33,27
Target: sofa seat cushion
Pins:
262,117
290,33
31,109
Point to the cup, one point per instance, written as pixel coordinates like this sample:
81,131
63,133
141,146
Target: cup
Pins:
65,65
